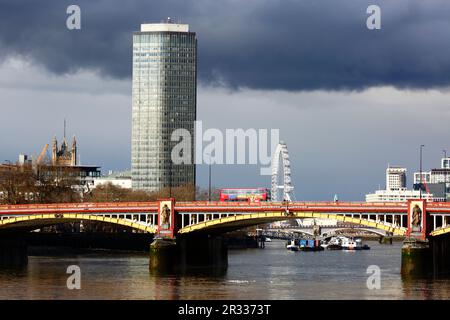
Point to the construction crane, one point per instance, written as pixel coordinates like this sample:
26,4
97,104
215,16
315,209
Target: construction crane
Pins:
41,156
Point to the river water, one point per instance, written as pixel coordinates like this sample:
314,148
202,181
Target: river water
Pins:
270,273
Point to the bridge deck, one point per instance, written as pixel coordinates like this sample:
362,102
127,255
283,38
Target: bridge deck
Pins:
203,206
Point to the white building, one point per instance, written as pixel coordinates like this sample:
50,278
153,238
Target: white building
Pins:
395,178
396,190
119,179
445,163
426,177
435,175
397,195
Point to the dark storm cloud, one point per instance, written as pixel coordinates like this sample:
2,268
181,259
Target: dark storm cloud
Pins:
268,44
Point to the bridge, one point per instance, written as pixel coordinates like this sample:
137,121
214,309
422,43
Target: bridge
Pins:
325,231
220,217
167,219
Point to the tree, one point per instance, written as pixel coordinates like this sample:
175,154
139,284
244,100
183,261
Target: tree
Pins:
17,184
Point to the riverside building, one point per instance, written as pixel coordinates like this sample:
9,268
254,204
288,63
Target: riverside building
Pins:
396,190
164,98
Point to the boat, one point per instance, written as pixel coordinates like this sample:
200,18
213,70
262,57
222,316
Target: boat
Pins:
310,245
335,243
292,246
353,244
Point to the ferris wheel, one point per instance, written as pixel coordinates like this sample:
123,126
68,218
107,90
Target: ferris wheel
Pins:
281,162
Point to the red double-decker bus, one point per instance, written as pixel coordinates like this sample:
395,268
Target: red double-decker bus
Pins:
245,194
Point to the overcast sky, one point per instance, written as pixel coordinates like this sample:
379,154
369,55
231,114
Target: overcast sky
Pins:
347,100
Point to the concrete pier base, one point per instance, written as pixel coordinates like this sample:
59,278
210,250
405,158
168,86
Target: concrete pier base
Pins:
13,252
190,254
163,254
440,248
385,240
417,259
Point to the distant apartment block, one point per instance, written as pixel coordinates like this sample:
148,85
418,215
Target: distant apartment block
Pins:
395,178
396,189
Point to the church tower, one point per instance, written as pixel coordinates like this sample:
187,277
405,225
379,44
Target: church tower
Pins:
63,156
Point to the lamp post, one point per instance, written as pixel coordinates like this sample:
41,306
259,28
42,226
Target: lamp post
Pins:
170,179
421,178
445,174
209,177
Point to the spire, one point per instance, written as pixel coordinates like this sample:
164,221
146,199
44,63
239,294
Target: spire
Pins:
73,160
54,150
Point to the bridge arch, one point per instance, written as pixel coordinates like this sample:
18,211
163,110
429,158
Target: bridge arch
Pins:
240,221
292,231
334,232
41,220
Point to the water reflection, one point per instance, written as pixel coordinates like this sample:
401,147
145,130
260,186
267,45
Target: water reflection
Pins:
426,288
270,273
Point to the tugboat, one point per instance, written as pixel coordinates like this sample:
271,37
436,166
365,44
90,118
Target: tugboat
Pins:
353,244
360,245
292,245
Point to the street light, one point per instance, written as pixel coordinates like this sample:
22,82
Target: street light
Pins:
445,174
421,178
209,177
170,179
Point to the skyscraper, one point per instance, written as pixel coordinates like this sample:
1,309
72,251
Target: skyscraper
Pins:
164,99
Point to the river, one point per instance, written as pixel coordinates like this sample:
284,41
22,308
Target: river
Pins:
270,273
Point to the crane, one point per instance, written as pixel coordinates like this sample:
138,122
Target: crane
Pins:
42,154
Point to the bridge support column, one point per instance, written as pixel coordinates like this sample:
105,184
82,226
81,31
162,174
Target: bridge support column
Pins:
163,255
385,239
13,252
440,247
189,254
417,259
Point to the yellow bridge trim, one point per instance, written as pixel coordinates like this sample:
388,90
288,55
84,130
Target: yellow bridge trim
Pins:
77,216
441,231
279,216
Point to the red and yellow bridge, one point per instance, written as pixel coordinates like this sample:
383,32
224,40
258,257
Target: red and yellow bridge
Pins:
169,218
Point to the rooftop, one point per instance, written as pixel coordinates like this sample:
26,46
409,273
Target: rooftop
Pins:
164,26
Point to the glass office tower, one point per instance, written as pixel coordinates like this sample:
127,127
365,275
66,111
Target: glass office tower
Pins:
164,99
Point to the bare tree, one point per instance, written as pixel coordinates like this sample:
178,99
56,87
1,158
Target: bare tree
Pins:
17,184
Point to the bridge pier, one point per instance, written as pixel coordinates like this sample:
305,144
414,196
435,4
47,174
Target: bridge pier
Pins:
385,240
440,248
417,259
13,252
189,254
